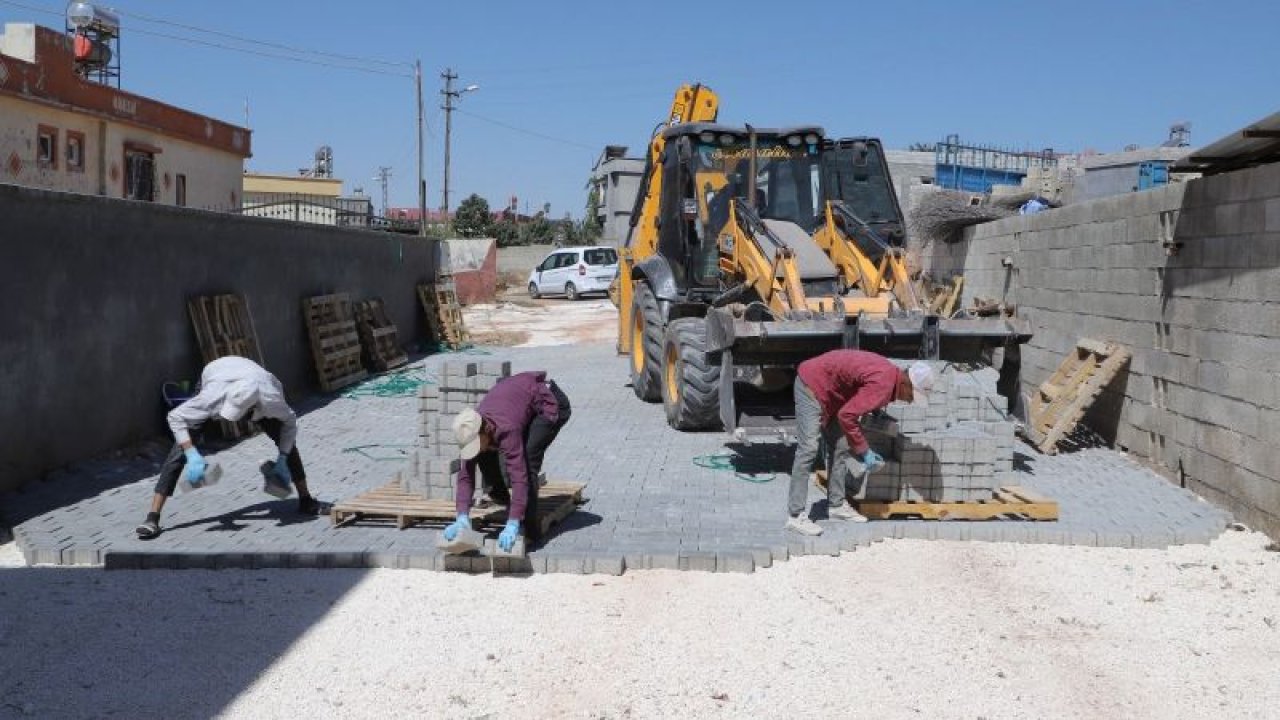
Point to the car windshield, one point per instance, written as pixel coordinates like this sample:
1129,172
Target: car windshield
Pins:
601,256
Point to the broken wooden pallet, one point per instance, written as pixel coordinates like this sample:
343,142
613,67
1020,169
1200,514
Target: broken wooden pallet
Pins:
427,298
223,327
390,502
1011,501
1061,402
378,335
450,312
335,343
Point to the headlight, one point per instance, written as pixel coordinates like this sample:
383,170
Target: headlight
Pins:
794,140
727,140
812,138
707,137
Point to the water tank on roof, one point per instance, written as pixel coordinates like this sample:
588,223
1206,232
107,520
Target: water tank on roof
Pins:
90,51
87,16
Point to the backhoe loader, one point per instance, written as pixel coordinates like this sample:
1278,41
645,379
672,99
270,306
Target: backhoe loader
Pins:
753,249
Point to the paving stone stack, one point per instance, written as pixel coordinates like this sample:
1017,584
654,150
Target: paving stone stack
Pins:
956,448
433,467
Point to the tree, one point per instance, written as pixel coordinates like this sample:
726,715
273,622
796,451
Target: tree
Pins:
922,147
506,231
590,231
472,218
537,231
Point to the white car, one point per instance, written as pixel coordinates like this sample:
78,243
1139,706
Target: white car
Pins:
574,271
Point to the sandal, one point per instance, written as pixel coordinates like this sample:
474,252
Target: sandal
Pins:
148,530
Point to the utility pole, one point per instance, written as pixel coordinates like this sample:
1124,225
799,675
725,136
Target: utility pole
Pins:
422,183
450,96
384,177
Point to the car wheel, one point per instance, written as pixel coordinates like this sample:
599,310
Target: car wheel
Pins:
533,290
571,291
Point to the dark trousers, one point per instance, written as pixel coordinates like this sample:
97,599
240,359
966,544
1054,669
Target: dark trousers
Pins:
171,470
538,436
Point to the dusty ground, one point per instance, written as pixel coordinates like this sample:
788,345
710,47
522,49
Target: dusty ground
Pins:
905,629
518,321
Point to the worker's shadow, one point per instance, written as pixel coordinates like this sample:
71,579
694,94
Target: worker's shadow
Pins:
283,512
761,458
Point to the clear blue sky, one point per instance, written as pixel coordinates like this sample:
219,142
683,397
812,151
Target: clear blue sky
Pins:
1071,76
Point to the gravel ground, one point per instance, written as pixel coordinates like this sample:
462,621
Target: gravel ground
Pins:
903,629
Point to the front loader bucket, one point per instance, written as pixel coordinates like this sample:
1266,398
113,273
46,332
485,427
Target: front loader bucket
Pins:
745,346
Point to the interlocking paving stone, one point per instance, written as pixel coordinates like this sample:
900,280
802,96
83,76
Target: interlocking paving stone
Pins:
649,506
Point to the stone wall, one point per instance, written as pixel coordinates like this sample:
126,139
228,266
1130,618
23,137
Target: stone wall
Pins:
1200,397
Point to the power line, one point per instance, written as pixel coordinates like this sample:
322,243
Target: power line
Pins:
278,46
232,48
534,133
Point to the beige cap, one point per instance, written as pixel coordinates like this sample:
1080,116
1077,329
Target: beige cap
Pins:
466,430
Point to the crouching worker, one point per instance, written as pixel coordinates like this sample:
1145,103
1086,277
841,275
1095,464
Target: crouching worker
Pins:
232,388
832,391
510,430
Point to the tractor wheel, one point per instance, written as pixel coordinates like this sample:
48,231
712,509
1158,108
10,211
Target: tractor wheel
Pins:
691,377
646,345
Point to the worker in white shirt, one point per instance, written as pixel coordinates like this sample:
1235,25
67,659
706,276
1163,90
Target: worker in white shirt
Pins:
232,388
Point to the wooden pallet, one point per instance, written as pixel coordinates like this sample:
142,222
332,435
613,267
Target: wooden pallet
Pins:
224,326
1010,501
427,298
378,335
444,313
335,343
556,501
1061,401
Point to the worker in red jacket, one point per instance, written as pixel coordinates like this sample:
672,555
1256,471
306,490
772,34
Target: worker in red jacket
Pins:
509,431
832,391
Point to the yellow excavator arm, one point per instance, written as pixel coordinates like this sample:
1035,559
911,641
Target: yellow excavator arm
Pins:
836,237
692,103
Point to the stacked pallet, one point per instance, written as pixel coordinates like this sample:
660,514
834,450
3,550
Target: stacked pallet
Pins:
335,342
958,448
433,468
378,336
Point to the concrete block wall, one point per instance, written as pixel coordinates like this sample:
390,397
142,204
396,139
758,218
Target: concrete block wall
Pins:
95,291
1200,396
433,467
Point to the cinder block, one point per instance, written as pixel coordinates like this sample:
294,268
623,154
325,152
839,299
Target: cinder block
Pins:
495,368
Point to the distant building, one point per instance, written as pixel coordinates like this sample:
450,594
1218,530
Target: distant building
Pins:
616,179
304,198
59,131
1110,174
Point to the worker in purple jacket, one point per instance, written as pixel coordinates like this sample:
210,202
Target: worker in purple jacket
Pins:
509,430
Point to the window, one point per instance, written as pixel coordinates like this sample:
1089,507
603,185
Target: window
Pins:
75,151
601,256
567,259
47,147
139,175
180,190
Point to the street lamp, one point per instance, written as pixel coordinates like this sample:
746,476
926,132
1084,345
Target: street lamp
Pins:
450,96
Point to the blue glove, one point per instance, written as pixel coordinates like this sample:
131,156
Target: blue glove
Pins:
462,523
282,469
507,539
195,466
872,461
